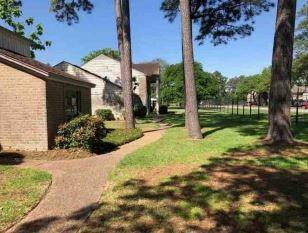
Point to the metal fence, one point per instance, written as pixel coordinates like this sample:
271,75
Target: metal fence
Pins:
240,107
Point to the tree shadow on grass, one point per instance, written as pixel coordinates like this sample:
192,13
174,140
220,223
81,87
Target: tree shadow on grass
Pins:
228,194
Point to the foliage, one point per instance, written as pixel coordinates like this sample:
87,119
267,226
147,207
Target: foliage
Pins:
105,114
163,109
11,14
140,111
220,20
85,132
106,51
208,85
300,70
118,137
21,190
240,86
67,10
301,38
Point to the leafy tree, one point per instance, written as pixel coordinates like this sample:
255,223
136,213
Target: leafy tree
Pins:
220,20
239,87
11,13
263,80
279,130
68,11
300,70
106,51
301,38
209,85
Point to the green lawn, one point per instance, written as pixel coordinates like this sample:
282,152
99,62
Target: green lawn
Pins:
20,191
145,124
227,182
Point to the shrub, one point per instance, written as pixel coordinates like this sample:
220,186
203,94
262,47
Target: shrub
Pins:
105,114
118,137
163,109
140,111
85,132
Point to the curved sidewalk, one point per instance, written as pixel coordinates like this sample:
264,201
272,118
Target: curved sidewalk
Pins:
76,188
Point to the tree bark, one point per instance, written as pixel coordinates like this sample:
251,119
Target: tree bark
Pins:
190,86
280,91
184,84
124,43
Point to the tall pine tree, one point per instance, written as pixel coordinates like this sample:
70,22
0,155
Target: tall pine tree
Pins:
280,90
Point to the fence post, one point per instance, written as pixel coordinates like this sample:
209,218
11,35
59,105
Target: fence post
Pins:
232,105
236,105
243,109
296,117
259,106
250,110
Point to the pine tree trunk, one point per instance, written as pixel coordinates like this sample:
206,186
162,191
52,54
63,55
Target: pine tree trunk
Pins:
124,43
184,85
280,91
119,24
190,86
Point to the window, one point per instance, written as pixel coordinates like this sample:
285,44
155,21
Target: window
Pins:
72,104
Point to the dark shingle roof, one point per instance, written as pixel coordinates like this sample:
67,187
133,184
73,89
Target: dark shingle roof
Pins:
149,69
41,66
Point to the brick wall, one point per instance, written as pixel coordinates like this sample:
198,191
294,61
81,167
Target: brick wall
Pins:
23,121
56,105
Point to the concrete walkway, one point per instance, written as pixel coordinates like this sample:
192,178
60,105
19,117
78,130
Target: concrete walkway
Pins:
76,189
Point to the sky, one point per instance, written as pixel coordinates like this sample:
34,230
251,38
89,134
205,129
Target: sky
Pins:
152,37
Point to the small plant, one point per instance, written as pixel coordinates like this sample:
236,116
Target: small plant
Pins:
140,111
105,114
85,132
163,109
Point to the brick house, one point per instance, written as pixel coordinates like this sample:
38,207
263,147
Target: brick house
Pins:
105,95
34,97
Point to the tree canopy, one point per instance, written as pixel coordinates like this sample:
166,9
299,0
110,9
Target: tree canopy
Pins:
220,20
11,14
300,70
115,54
209,85
67,10
240,86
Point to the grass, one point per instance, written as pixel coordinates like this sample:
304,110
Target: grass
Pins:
145,124
227,182
20,191
118,137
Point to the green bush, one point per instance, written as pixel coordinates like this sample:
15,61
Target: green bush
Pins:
140,111
163,109
118,137
85,132
105,114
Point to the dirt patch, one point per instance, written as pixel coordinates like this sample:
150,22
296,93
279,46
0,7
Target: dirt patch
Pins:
155,175
16,157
